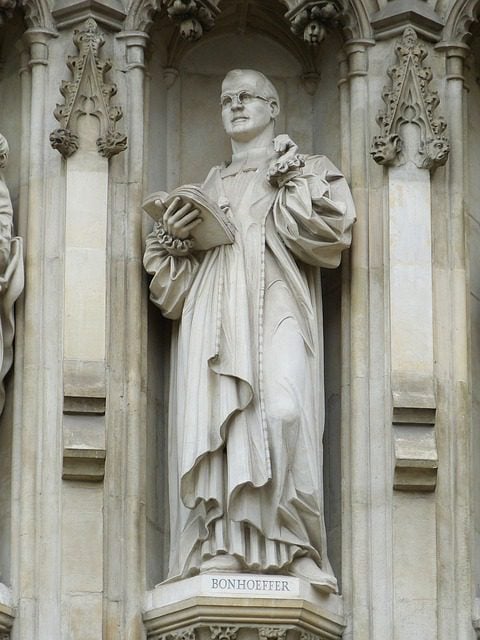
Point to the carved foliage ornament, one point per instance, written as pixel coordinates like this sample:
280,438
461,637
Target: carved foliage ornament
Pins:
410,100
192,16
223,633
311,20
179,634
230,632
272,633
88,94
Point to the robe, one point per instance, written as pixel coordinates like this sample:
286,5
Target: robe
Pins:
11,283
246,407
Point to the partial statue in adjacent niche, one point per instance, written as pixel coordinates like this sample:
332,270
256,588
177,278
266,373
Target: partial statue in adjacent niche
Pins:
11,273
235,263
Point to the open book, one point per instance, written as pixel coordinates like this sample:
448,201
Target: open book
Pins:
215,228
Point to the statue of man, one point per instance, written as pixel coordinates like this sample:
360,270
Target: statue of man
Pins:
246,395
11,273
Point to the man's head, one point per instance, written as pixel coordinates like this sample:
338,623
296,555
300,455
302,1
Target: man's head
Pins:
250,104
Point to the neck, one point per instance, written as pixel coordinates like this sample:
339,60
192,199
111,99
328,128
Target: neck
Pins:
262,141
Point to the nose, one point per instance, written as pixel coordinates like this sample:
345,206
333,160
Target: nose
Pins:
236,103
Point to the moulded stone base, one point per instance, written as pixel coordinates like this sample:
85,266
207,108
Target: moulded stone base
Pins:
6,612
242,607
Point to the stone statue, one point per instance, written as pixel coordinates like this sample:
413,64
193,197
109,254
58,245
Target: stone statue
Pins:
246,394
11,273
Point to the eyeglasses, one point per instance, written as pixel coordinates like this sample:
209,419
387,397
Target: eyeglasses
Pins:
242,98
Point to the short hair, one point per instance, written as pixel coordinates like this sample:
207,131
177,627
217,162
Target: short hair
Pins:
268,88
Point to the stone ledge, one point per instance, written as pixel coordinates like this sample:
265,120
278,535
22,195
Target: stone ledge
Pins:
7,613
83,464
250,617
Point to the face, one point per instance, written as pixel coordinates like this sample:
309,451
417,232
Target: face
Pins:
245,119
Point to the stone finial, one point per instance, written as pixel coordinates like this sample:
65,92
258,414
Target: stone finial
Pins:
409,99
193,17
311,19
88,93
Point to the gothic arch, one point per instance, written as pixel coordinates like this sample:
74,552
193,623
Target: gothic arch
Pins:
264,19
37,14
357,24
460,19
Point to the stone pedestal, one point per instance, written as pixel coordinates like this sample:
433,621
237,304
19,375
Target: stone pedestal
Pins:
6,612
222,606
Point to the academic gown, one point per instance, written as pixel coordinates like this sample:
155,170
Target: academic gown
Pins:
246,407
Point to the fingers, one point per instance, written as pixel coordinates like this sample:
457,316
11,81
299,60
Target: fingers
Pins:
187,228
283,144
171,209
179,221
172,214
185,219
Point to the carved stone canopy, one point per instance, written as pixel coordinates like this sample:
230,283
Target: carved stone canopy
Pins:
408,99
88,93
309,19
238,17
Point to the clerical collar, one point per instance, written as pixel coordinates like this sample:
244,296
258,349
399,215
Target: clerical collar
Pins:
251,154
249,160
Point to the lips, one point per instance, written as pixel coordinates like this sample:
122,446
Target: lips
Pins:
240,119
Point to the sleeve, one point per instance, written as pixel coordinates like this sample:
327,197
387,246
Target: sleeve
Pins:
172,276
314,212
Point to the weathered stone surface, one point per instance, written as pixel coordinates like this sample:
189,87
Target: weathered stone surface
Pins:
84,507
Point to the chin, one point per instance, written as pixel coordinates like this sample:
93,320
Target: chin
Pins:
243,135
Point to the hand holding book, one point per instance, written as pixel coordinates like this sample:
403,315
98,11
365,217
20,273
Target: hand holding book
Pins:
188,213
180,218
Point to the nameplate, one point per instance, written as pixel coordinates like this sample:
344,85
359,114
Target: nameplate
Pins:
243,584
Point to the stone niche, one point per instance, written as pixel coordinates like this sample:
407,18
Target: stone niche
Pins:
185,139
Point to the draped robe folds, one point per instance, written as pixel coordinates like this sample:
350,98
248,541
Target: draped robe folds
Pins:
246,390
11,283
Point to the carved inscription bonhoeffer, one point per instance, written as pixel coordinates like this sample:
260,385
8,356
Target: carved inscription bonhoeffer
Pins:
409,99
87,93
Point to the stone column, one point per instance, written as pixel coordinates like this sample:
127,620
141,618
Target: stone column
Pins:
367,443
125,477
36,575
454,502
365,446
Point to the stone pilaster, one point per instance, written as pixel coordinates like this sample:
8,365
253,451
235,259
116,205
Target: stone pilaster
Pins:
36,573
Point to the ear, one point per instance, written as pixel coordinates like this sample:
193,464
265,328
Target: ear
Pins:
274,108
